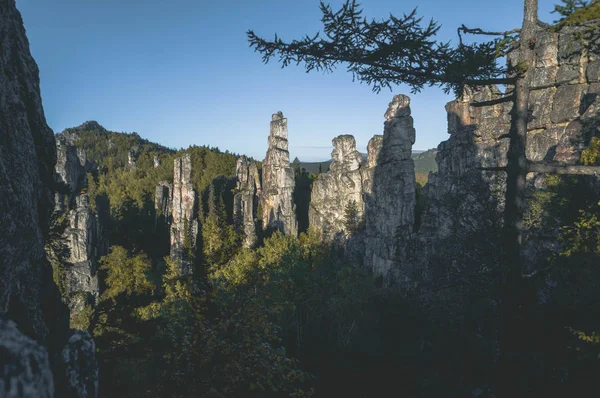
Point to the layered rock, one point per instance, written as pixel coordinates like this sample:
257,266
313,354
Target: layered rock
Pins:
462,224
338,190
245,199
278,209
184,221
87,243
390,205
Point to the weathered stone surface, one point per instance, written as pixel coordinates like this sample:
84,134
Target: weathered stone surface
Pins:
279,211
156,161
592,72
70,166
24,365
566,103
87,243
79,365
340,187
183,215
389,208
245,200
163,200
27,160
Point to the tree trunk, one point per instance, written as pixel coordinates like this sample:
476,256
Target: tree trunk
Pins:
511,381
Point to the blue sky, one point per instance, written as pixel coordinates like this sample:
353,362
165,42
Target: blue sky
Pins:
180,72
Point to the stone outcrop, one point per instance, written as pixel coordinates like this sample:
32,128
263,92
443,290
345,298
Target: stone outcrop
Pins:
25,367
27,159
156,161
339,188
245,200
70,167
87,243
80,372
131,157
183,216
461,226
390,189
278,209
28,294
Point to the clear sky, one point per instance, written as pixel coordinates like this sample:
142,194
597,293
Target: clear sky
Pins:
180,72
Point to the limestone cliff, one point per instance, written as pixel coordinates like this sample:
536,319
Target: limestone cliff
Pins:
278,210
184,226
390,197
338,189
245,199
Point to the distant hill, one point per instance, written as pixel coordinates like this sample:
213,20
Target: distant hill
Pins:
424,163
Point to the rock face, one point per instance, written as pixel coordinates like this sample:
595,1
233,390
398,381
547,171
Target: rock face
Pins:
87,243
278,209
70,167
245,199
25,368
339,188
184,220
27,159
163,201
156,161
390,189
461,226
79,367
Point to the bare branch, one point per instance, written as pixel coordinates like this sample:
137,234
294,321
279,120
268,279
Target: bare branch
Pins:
478,31
501,100
543,25
550,168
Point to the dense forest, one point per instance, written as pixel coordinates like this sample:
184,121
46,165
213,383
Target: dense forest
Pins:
292,316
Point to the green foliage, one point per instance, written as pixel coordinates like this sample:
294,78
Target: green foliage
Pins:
56,249
591,155
352,219
125,274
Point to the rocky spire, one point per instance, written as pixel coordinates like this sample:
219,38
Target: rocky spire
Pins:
245,199
278,209
184,219
87,243
390,204
70,167
338,189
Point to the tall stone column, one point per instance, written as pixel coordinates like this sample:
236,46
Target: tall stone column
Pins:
184,225
245,199
278,209
390,206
